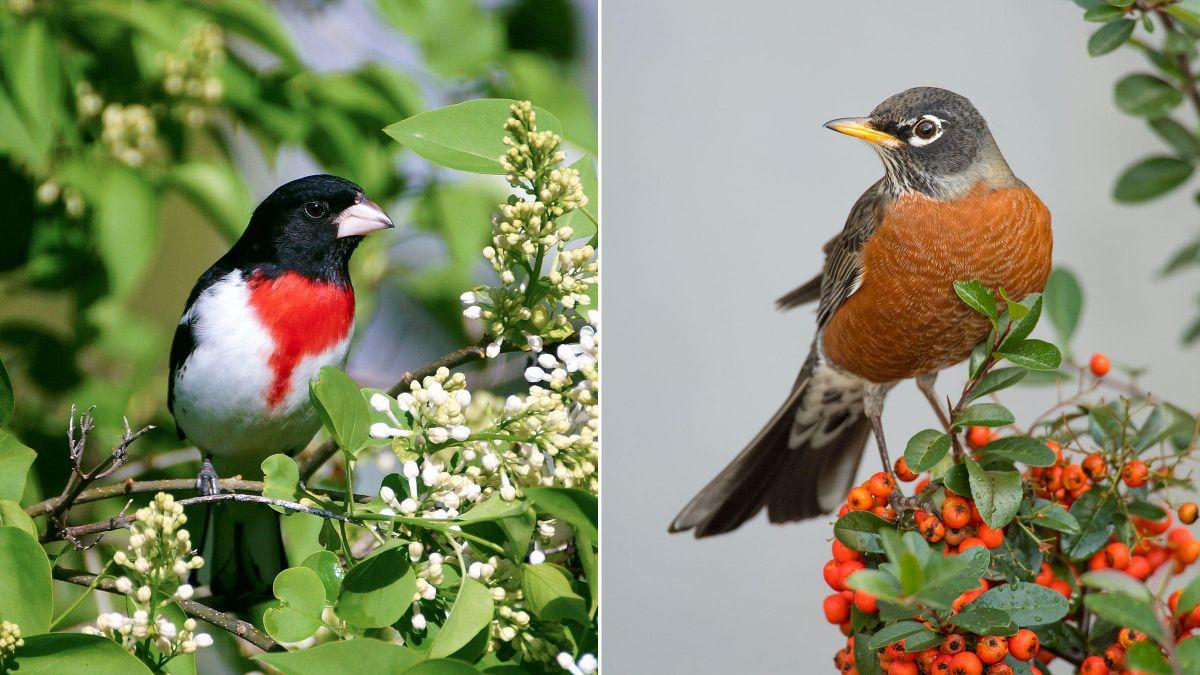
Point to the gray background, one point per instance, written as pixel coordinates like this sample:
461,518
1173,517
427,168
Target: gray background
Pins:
719,188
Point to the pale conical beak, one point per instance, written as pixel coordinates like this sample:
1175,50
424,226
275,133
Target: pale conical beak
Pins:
361,218
861,127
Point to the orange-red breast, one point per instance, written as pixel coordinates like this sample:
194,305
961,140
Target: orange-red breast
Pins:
948,208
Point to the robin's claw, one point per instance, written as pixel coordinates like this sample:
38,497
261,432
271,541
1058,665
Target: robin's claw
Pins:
206,479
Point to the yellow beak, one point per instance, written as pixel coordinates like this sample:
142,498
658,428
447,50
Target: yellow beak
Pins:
861,127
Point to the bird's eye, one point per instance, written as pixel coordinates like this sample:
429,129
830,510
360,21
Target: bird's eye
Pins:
926,130
315,209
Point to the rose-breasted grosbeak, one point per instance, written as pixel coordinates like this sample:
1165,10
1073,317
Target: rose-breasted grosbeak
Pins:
257,327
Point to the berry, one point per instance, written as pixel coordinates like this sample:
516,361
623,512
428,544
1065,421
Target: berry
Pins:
903,668
1128,636
991,649
1139,567
1187,513
1116,555
1114,657
1073,477
1095,466
860,499
932,529
830,572
977,437
953,644
1024,645
1000,669
865,602
971,542
842,553
1057,450
941,666
955,512
837,608
902,471
1135,473
881,485
990,536
1188,551
1099,365
966,663
1063,588
846,569
1093,665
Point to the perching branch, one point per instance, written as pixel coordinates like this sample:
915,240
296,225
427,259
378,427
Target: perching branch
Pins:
226,622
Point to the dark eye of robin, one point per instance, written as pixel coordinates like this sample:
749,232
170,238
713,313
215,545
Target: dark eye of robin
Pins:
925,129
315,209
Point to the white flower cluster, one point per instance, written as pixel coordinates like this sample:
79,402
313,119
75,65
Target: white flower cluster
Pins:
528,307
435,406
188,73
586,665
130,132
156,565
10,639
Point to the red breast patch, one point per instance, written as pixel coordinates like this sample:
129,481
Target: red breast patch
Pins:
304,317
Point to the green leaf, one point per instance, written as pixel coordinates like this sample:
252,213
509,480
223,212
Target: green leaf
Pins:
1146,95
12,515
1187,256
1055,517
378,590
1118,582
859,530
958,480
581,225
996,380
947,577
126,227
281,480
57,653
15,460
978,297
1146,657
549,595
257,21
32,64
578,508
363,655
984,621
301,597
26,592
1103,14
1164,422
1034,355
1094,513
1023,325
470,615
1064,302
1022,449
1025,603
342,408
984,415
925,450
878,583
912,576
444,667
980,354
1110,36
1104,425
218,190
8,402
997,494
329,571
1150,178
1177,136
1189,598
1146,510
895,632
1188,653
465,136
1122,610
866,659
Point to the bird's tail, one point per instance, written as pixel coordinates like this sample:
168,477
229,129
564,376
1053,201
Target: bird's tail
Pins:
799,466
243,552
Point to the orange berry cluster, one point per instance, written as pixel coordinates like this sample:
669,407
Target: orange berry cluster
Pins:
872,496
957,655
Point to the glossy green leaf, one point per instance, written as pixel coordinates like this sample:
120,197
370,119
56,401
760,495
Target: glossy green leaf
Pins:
925,450
341,407
878,583
26,592
471,613
1022,449
1034,354
996,380
301,597
1146,95
33,67
1150,178
1164,422
984,415
378,590
58,653
984,621
859,530
465,136
1094,513
895,632
329,571
1188,653
363,655
15,460
1118,582
257,21
1064,302
1110,36
1024,324
978,297
1190,598
549,595
578,508
997,493
1123,610
126,227
1105,425
12,515
1147,657
1103,14
958,480
1027,604
1174,134
281,479
1055,517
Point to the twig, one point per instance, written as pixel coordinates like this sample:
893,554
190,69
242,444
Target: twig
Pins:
226,622
130,487
1185,66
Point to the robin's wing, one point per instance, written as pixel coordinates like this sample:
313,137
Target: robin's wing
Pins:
809,291
842,274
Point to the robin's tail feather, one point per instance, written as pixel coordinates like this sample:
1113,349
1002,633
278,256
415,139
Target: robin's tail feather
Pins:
799,466
243,553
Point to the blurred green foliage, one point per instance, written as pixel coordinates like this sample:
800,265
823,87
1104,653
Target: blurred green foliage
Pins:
120,176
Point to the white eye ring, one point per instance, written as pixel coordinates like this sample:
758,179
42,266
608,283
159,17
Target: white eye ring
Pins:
917,141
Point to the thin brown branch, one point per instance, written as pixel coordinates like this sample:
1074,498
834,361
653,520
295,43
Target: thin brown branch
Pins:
1182,62
226,622
130,487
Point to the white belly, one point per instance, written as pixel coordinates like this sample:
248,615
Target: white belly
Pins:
221,389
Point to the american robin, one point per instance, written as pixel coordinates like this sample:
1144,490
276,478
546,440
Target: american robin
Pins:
258,326
948,208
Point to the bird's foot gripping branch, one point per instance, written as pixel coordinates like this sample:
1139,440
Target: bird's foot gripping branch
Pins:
480,552
1028,545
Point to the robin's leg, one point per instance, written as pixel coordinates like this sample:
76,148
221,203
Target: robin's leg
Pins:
873,395
206,479
925,384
